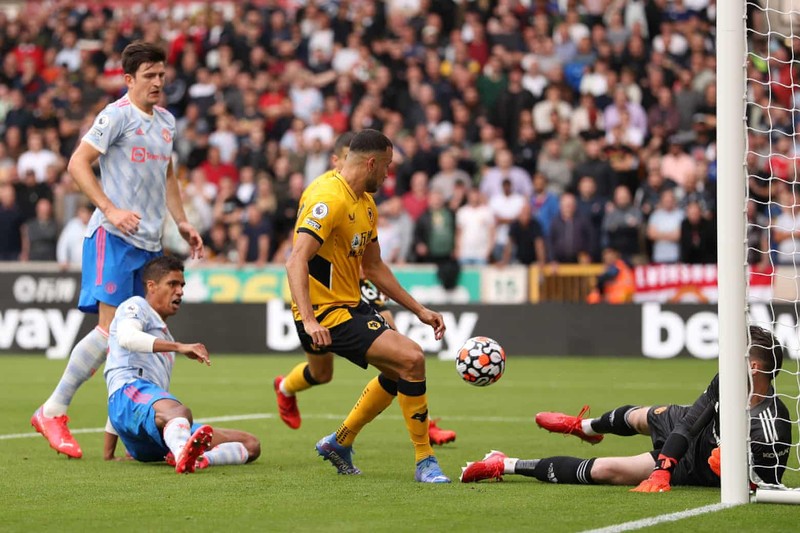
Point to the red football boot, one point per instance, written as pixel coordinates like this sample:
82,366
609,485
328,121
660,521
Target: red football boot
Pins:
287,406
566,424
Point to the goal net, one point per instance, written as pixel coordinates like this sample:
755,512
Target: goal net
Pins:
762,188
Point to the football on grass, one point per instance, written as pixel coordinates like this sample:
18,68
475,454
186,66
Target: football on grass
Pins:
481,361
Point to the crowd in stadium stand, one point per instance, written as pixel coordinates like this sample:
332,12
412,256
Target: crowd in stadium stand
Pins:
588,124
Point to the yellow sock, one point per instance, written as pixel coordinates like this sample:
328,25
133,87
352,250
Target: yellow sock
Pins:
299,379
376,396
414,404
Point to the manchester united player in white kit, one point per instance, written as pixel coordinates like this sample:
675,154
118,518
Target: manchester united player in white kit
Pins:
132,140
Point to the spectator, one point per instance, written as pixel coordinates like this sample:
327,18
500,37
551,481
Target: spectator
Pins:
510,106
218,248
69,248
12,245
526,241
434,232
444,181
698,237
216,170
664,229
526,151
506,208
554,167
29,192
548,112
758,252
616,284
612,115
37,158
786,228
286,216
665,112
676,164
254,241
621,225
592,207
396,231
597,167
224,139
571,238
648,196
42,233
415,201
227,206
544,202
475,231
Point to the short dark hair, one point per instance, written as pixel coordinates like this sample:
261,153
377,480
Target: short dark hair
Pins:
159,267
140,52
343,142
766,350
369,141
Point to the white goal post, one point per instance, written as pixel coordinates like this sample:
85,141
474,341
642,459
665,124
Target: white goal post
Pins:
777,20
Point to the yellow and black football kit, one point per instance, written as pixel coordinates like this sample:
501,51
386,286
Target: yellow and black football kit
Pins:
344,225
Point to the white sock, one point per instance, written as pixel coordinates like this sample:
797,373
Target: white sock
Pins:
176,433
586,426
283,390
508,465
227,453
85,359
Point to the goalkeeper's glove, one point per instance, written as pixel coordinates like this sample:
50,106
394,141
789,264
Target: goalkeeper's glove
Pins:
714,461
660,477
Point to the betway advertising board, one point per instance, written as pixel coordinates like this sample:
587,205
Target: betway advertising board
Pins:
38,316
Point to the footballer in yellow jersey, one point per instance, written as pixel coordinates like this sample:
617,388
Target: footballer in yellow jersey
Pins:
344,225
335,236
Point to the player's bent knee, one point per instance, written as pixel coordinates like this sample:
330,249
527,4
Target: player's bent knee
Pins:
253,446
322,375
413,364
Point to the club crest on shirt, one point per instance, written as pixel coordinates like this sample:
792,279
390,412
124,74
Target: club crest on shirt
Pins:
320,210
166,135
370,214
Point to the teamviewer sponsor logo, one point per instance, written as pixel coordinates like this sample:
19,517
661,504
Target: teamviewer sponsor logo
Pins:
138,154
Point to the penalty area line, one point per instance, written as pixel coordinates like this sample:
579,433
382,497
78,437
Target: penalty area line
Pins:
662,519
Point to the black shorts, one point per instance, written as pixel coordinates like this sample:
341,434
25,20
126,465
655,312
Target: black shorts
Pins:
371,296
350,339
693,468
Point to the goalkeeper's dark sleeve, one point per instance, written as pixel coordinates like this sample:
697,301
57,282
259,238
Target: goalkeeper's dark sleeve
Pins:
700,414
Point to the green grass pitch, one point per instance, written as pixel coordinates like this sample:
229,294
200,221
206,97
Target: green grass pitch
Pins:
291,489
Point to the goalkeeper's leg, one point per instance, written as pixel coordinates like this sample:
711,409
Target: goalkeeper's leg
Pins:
572,470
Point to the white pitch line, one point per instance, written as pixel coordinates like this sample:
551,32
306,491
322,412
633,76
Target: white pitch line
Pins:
661,519
262,416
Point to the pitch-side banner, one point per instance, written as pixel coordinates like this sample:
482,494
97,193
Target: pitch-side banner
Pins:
679,283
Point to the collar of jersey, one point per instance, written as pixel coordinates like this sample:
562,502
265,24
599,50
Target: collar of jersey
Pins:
142,112
344,181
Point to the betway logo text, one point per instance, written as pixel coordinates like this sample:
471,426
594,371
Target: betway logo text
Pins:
282,335
666,334
40,329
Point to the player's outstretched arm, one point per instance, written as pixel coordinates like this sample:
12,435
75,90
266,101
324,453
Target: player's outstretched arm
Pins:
80,167
381,275
175,207
196,351
131,336
305,247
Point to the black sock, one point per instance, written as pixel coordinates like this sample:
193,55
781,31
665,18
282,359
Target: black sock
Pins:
614,422
558,470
